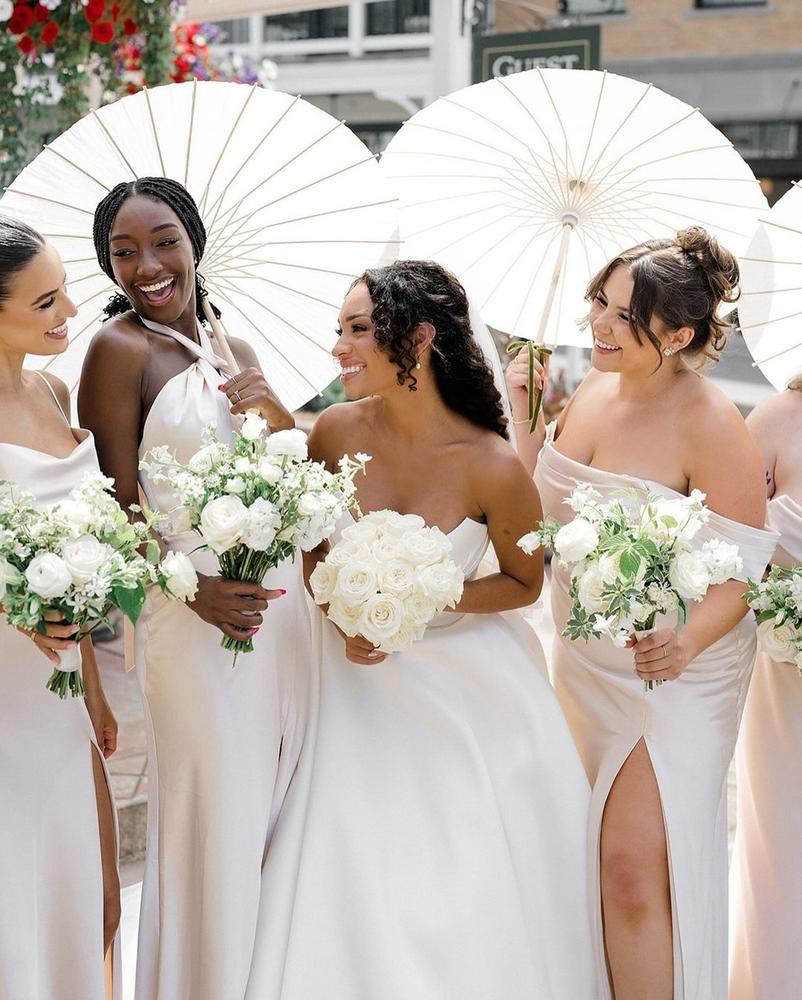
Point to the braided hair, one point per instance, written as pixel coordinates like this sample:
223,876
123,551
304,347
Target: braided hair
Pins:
410,292
176,197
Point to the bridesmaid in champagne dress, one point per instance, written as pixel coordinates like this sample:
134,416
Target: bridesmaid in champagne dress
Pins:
223,742
59,903
766,876
657,760
432,844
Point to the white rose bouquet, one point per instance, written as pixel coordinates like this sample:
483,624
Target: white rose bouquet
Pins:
387,578
79,557
632,560
777,603
257,501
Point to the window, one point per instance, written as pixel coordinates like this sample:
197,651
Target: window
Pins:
331,22
713,4
764,140
592,7
397,17
235,32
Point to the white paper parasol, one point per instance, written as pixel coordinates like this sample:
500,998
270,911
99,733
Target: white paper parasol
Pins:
295,207
770,307
526,185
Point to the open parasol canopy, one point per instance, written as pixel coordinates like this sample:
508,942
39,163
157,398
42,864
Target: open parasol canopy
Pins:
294,205
770,307
526,185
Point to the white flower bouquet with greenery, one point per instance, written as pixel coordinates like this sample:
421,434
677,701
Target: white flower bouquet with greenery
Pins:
777,603
80,557
256,501
387,578
632,560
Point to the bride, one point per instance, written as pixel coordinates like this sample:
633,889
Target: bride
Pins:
433,842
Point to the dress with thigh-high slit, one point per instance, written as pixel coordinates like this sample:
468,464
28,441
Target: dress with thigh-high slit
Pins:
432,845
766,877
51,875
689,727
223,739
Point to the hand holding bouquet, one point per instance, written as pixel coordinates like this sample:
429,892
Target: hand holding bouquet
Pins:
387,578
79,558
257,501
777,603
632,561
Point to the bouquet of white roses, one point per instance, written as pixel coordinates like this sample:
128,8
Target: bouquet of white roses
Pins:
632,560
79,557
387,578
777,603
256,501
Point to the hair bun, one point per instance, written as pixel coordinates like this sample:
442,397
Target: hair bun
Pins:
719,265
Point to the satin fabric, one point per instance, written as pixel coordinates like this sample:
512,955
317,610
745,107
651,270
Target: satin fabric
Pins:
432,843
766,875
51,878
223,740
689,727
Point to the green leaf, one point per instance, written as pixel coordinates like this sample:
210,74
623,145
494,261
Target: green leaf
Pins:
629,563
129,601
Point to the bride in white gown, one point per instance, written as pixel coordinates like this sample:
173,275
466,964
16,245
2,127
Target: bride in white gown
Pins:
432,843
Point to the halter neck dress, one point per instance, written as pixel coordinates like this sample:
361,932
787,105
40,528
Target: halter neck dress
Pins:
223,740
51,878
432,845
766,876
689,727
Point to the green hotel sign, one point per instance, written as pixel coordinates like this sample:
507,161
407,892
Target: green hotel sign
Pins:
562,48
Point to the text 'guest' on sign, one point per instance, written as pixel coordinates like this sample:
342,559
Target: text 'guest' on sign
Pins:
561,48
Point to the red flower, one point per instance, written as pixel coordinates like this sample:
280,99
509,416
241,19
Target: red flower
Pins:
21,19
49,33
103,32
183,65
40,13
115,12
94,10
132,88
26,44
130,27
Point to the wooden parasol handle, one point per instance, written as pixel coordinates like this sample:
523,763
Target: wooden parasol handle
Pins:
222,348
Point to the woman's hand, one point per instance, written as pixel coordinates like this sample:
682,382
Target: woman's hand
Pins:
359,650
103,722
517,378
232,606
660,656
249,391
58,635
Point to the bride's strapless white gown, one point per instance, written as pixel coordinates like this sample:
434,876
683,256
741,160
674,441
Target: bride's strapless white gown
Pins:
689,727
223,740
766,876
432,844
51,880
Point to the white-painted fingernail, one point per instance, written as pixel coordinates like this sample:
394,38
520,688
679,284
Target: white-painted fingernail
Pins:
373,655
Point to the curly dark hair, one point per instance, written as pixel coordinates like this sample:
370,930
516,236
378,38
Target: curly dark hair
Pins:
176,197
683,281
410,292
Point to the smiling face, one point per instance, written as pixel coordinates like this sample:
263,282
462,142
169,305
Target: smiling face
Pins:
153,260
365,369
33,318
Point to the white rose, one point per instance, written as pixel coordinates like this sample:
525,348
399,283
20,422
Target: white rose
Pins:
424,546
269,471
243,465
396,577
345,616
419,609
8,575
77,514
356,582
291,443
382,616
403,638
180,577
589,589
576,540
235,485
778,642
671,518
222,521
347,551
7,9
253,427
84,557
203,460
689,576
48,576
322,580
442,582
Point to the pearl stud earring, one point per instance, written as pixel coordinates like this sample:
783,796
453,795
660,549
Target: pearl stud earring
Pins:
417,364
668,351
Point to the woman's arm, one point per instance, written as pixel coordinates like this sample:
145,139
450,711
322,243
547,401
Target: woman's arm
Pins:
103,721
512,508
249,390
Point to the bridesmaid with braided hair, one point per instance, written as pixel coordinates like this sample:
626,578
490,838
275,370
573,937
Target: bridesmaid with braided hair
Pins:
223,743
